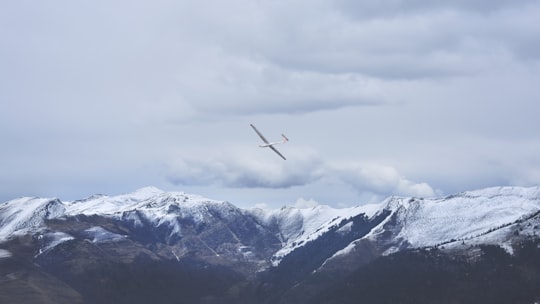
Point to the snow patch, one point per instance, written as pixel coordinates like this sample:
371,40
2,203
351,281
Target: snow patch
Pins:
344,251
53,239
101,235
345,229
5,254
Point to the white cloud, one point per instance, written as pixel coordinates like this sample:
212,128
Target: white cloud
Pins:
263,206
379,179
302,203
242,173
237,172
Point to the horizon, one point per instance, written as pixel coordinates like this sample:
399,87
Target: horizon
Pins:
300,203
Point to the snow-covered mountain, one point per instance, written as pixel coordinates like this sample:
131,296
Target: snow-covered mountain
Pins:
488,216
120,235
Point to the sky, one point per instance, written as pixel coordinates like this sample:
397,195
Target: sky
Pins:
378,98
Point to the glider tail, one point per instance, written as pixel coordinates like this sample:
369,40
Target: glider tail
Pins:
285,139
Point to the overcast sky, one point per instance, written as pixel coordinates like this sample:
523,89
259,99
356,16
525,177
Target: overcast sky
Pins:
377,97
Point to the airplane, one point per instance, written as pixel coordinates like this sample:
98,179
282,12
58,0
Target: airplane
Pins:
271,144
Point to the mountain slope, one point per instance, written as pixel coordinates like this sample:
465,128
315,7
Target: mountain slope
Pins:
494,216
469,215
435,276
26,215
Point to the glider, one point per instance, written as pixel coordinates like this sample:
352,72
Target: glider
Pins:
271,144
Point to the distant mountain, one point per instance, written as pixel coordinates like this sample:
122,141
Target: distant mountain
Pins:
173,247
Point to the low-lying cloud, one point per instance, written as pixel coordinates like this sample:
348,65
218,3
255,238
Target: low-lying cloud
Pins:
240,173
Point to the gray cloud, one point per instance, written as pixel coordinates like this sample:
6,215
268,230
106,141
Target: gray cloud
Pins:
424,40
239,173
194,58
389,8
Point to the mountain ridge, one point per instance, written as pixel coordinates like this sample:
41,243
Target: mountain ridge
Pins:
282,255
295,225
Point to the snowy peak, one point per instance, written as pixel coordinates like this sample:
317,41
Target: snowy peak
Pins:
530,193
172,213
509,194
24,215
149,198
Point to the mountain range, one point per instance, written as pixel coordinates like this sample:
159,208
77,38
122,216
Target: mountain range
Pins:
173,247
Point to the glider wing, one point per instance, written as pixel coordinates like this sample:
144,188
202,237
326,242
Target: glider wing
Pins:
275,150
260,135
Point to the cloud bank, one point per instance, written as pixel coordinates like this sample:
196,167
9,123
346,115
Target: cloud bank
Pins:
239,173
